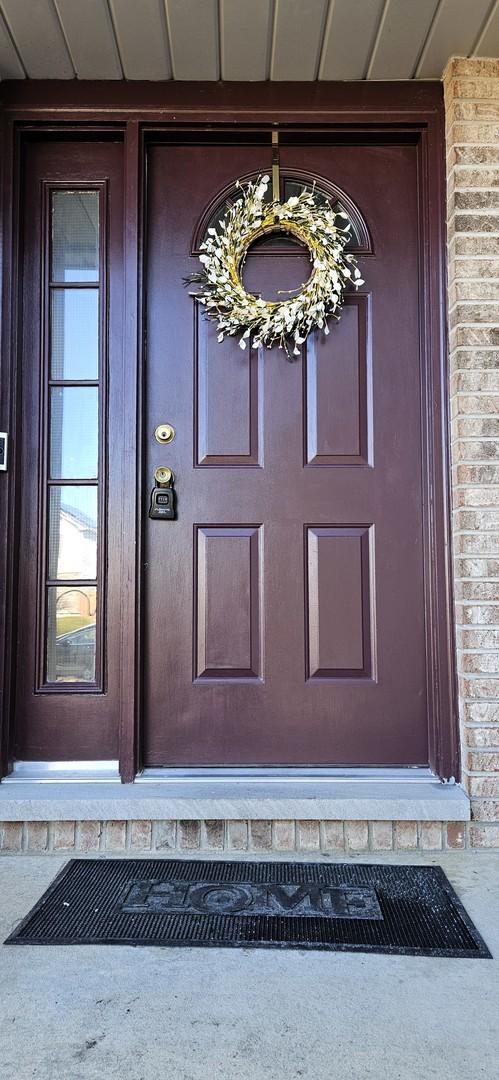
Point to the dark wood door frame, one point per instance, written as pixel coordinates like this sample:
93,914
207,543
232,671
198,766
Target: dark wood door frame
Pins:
143,111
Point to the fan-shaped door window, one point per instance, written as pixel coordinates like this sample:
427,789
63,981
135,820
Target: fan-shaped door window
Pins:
292,183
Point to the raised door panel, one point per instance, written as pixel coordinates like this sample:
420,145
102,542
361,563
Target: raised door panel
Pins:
338,397
227,603
227,427
339,602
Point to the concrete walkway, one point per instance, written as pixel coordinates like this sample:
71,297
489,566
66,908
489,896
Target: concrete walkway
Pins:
97,1013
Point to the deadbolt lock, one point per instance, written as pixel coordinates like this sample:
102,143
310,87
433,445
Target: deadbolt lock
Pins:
164,433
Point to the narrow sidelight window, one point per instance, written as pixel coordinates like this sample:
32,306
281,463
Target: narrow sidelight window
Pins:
74,408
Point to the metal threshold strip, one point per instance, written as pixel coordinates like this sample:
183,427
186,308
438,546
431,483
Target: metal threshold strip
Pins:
70,772
44,772
300,774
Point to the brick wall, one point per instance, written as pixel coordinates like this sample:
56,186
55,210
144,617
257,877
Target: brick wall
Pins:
472,132
327,837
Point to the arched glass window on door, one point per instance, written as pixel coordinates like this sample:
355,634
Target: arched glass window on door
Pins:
292,183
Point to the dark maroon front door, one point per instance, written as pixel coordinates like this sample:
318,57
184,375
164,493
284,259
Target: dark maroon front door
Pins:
284,608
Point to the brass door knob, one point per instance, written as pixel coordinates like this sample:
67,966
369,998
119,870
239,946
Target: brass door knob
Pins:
164,433
163,475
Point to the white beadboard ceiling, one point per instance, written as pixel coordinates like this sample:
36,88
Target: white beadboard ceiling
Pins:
296,40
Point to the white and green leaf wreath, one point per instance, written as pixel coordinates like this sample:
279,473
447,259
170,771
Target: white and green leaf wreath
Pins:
287,322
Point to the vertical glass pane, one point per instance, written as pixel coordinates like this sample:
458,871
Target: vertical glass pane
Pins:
74,334
73,432
75,236
71,636
72,532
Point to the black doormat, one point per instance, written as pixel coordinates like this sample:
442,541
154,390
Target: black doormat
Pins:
382,909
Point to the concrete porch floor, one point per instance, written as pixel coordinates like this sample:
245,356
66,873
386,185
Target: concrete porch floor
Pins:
100,1013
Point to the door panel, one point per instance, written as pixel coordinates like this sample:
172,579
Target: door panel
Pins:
284,608
225,436
338,579
338,418
227,633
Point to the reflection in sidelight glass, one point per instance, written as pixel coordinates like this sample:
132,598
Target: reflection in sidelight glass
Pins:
73,521
75,236
72,549
71,634
74,334
73,432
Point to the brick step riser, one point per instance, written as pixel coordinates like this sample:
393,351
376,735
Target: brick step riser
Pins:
321,837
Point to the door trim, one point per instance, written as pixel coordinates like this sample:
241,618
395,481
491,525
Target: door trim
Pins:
144,112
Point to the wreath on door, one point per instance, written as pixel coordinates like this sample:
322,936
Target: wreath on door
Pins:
288,322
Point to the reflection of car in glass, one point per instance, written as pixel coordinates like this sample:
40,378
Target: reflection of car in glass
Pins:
75,654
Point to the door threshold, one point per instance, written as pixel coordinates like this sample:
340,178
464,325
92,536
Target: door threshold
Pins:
284,775
74,772
43,772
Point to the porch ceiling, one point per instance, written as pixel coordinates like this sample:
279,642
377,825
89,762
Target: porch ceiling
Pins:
295,40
